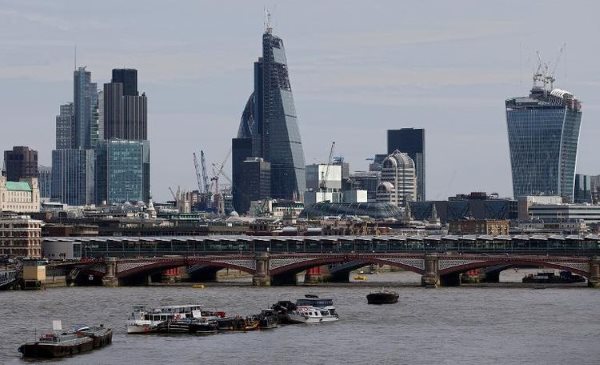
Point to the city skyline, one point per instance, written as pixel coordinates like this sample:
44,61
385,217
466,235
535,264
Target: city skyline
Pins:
351,82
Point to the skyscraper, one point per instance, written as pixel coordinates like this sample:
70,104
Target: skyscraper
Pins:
257,184
543,134
125,112
21,162
85,99
65,125
73,176
412,142
269,120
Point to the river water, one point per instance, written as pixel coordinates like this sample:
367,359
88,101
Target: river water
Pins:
461,325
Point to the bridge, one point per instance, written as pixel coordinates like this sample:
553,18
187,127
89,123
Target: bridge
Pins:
277,260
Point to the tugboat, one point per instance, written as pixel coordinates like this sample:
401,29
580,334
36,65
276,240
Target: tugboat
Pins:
61,343
382,297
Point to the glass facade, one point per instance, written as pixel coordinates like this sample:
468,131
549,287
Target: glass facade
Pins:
73,176
372,210
121,171
543,133
269,119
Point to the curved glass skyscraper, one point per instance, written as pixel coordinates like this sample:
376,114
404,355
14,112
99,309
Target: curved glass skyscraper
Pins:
269,121
543,133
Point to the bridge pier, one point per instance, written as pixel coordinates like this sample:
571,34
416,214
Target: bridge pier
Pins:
431,277
594,279
110,279
261,276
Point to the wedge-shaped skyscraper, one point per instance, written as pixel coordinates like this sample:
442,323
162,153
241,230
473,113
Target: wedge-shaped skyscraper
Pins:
269,121
543,134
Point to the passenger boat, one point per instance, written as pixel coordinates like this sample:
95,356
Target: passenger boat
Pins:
564,277
144,320
310,314
382,297
61,343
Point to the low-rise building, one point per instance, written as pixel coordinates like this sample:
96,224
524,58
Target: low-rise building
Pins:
494,227
551,213
20,236
19,196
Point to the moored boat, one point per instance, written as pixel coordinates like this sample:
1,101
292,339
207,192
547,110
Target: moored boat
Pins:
144,320
382,297
201,326
310,314
564,277
61,343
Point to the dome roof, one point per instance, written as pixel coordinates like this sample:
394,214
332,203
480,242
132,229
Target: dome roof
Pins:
398,159
386,186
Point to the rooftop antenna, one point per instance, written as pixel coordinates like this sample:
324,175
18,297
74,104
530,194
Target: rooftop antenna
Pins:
75,58
268,27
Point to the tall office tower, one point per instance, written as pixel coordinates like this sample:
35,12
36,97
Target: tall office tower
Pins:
543,133
85,100
412,142
77,133
45,181
21,162
120,169
583,189
398,180
257,184
65,124
125,112
241,149
269,119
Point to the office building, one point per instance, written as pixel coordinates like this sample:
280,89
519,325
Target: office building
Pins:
20,236
241,149
85,104
583,189
256,174
412,142
397,185
366,180
323,177
120,171
269,120
65,126
125,113
73,172
45,181
554,213
20,162
543,134
21,196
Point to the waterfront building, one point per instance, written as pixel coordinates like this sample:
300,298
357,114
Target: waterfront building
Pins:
45,181
73,172
583,189
20,236
256,174
21,196
398,180
543,134
21,162
493,227
269,120
412,142
120,171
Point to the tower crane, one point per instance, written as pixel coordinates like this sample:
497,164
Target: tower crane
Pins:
198,176
204,174
325,175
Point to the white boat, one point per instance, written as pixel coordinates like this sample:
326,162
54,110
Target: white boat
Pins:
309,314
144,320
323,304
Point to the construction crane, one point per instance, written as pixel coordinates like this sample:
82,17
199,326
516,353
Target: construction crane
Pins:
173,194
218,171
325,175
204,174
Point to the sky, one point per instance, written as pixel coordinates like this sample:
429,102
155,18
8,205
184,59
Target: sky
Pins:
357,68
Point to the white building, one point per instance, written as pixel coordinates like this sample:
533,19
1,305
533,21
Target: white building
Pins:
318,175
525,202
555,213
19,196
398,183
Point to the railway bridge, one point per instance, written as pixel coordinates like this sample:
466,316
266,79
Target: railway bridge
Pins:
277,260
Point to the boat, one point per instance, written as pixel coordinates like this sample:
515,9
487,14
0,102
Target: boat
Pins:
61,343
267,319
143,320
237,324
360,277
564,277
310,314
281,309
382,297
200,326
198,286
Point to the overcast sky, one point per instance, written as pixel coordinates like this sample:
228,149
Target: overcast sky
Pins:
357,69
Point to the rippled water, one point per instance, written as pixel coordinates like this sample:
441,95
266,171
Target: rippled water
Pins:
428,326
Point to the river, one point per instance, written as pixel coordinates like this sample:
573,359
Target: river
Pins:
460,325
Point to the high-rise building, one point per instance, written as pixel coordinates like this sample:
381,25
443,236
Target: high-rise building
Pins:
398,184
412,142
21,162
121,171
65,125
269,119
257,182
543,134
125,112
241,149
45,181
85,100
73,176
583,189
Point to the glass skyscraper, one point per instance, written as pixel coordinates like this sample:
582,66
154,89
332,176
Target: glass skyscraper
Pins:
269,120
543,133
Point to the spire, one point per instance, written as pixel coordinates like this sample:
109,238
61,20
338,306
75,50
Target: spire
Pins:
268,27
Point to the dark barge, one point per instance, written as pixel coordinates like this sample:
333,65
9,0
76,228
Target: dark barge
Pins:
383,297
68,343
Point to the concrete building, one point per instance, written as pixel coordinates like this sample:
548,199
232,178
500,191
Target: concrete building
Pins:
412,142
398,183
323,176
20,236
19,196
21,162
494,227
554,213
526,202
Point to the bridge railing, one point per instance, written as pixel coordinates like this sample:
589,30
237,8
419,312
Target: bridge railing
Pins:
141,248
